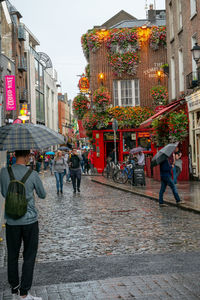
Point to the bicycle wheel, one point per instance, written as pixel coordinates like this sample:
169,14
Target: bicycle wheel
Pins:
105,173
120,177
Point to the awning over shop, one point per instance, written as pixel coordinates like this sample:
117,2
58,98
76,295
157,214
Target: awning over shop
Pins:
168,108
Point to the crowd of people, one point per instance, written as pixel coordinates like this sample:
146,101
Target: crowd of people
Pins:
61,164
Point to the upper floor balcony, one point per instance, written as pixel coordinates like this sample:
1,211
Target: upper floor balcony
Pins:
193,79
22,64
21,33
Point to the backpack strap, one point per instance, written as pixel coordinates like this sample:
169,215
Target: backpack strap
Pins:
10,172
26,176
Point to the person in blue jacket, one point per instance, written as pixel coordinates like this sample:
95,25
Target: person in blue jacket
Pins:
166,179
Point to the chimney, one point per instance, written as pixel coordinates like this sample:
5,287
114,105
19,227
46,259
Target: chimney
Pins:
151,14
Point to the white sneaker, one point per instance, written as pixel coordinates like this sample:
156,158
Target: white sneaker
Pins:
30,297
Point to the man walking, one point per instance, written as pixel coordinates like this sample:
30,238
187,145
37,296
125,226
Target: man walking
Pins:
166,179
75,170
24,228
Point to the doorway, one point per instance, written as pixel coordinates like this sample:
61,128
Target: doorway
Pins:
108,148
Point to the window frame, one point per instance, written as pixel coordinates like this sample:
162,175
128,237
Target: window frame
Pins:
132,88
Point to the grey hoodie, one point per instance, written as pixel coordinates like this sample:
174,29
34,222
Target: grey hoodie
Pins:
33,183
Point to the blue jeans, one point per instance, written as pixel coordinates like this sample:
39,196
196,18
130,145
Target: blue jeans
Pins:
176,173
59,180
164,182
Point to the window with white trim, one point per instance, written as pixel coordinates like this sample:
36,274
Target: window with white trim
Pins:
179,14
193,7
171,21
126,92
173,86
181,71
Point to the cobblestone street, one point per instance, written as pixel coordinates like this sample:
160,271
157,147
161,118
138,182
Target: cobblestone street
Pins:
96,244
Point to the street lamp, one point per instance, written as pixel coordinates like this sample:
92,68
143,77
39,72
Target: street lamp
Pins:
196,52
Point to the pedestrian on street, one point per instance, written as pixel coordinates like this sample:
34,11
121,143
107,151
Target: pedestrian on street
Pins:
91,160
141,158
166,179
24,229
38,162
51,164
177,165
75,170
59,169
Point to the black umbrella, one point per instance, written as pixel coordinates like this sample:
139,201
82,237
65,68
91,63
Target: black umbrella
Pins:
163,154
27,136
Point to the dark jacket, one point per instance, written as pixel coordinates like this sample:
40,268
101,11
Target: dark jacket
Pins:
74,162
165,169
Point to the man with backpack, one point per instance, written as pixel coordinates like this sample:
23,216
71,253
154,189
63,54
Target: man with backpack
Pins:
74,163
17,187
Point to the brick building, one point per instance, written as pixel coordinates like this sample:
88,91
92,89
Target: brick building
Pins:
183,19
130,90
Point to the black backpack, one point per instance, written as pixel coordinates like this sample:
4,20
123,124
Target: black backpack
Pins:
15,202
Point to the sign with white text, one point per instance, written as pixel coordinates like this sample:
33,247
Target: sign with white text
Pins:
10,92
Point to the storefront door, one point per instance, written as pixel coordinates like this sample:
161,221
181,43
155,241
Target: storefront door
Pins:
109,146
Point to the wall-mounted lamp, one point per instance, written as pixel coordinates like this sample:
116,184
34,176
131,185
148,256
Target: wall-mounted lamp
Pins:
196,52
159,75
101,77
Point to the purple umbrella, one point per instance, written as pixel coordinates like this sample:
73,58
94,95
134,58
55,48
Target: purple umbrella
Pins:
136,150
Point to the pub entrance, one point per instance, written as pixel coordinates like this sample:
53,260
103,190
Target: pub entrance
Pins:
108,148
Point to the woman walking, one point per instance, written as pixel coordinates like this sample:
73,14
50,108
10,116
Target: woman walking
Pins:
59,168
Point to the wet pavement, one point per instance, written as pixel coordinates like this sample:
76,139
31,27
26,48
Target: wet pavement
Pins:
97,244
189,191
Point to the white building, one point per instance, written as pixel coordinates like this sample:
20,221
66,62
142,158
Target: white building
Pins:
41,81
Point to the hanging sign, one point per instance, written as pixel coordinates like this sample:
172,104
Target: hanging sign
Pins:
84,84
10,92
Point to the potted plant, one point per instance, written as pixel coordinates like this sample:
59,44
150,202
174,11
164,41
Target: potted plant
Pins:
165,68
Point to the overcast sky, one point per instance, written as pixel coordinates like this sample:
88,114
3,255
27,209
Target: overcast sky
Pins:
58,25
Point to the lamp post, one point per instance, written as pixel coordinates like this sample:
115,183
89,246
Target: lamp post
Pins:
115,127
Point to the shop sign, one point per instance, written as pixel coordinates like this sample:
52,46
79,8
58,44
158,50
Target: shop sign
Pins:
193,104
10,92
143,134
159,108
84,85
109,136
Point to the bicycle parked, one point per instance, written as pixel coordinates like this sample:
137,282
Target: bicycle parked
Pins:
111,169
125,174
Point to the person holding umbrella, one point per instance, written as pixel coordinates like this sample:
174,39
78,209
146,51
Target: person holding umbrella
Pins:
162,158
24,229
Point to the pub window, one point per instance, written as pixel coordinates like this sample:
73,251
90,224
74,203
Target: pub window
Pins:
144,141
129,141
126,92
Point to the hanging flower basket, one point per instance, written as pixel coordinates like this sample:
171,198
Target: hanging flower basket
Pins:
159,94
123,64
101,98
158,37
80,105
